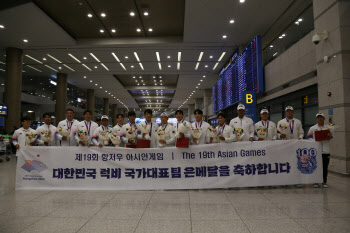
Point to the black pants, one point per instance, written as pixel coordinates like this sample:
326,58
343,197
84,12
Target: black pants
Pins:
325,161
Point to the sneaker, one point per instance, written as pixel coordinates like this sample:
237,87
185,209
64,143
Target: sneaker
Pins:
324,185
315,186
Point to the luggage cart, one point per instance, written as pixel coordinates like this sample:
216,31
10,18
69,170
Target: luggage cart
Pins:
5,148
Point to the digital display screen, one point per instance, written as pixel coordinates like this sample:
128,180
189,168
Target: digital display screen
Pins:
3,110
245,73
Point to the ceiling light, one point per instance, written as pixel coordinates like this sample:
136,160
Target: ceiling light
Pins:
141,65
53,58
95,67
137,57
178,65
115,56
132,66
241,1
72,57
169,66
113,30
145,13
283,35
201,80
197,66
280,37
104,66
121,64
200,56
89,15
96,84
86,67
224,36
297,23
85,58
222,55
206,66
2,26
150,29
132,14
138,30
158,57
68,67
232,21
92,55
126,57
144,84
204,76
44,59
103,14
51,68
215,66
33,59
211,57
25,40
300,20
34,68
134,77
160,66
84,76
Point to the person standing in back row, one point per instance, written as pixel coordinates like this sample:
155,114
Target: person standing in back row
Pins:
243,122
69,124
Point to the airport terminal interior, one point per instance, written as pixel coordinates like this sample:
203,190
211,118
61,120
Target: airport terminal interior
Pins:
206,60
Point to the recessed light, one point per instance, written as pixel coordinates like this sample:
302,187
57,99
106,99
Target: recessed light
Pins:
84,76
126,57
84,58
100,87
113,30
241,1
206,66
95,67
232,21
138,30
89,15
150,30
132,66
132,13
211,57
96,84
168,57
25,40
134,77
60,68
204,76
145,13
283,35
90,81
44,59
102,31
300,20
169,66
103,15
271,46
224,36
2,26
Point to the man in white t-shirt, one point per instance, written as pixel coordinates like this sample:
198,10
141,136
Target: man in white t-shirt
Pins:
19,136
244,123
44,131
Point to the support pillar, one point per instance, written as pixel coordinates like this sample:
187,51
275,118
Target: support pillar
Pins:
106,106
13,88
333,76
206,99
114,114
61,97
197,102
190,111
91,101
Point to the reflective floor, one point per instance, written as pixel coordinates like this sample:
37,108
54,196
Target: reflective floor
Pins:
287,209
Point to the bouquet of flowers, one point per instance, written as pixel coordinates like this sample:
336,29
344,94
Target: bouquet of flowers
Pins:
46,136
332,127
103,135
239,134
213,133
160,135
284,129
83,136
30,138
261,132
183,128
197,133
64,132
145,129
130,133
115,139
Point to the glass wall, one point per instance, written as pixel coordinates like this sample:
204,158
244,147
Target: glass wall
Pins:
300,27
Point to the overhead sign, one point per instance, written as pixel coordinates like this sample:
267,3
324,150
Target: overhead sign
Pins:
3,110
249,101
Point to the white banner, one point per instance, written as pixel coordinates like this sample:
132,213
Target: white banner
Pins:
239,164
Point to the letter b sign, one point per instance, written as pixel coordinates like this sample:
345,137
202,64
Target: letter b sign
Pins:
249,98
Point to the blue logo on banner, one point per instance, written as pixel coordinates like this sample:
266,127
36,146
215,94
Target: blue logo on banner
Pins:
35,165
307,163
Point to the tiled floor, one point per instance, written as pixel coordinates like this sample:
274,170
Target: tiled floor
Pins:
281,210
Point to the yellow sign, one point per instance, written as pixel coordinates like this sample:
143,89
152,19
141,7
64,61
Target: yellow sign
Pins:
249,98
306,100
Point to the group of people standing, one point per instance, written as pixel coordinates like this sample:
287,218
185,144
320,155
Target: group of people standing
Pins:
70,132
